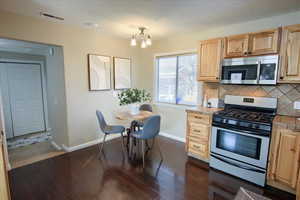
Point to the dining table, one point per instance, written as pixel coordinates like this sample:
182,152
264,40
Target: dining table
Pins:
131,121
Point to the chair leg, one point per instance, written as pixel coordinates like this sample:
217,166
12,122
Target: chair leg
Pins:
143,152
160,153
102,145
130,147
123,146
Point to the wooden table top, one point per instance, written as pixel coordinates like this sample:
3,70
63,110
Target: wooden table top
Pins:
126,115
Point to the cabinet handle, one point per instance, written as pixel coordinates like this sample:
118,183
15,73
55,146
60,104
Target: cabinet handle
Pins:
197,147
197,117
197,131
281,77
217,78
249,53
245,53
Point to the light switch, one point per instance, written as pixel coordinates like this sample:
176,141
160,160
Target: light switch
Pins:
297,105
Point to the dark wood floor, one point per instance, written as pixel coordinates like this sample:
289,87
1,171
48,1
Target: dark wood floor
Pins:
80,175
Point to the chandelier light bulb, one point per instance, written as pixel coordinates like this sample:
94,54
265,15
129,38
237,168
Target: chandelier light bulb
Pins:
149,41
143,44
133,41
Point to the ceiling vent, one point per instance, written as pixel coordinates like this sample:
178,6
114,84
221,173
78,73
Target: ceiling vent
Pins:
51,16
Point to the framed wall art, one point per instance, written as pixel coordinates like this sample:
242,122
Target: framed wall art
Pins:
99,69
122,73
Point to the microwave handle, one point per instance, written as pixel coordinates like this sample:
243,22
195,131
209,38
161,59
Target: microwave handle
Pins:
258,71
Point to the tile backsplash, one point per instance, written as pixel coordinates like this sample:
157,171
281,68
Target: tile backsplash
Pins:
287,94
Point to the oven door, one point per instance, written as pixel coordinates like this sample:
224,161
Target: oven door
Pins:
240,146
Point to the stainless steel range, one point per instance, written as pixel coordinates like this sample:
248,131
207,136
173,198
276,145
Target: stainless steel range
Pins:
241,136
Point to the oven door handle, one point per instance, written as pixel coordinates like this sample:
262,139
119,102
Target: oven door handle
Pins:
238,165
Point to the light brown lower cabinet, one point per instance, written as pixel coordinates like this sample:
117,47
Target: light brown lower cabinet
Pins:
298,189
283,170
198,135
4,187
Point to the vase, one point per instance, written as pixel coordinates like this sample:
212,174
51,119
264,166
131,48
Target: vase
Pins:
134,108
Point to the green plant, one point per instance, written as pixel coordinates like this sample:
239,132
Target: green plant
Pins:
133,95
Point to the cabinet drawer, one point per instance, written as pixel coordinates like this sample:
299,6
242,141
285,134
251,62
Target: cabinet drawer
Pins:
199,118
199,139
198,148
199,130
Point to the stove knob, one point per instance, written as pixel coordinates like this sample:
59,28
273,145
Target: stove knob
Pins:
224,121
256,126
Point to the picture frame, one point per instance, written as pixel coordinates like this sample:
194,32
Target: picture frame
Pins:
99,72
122,73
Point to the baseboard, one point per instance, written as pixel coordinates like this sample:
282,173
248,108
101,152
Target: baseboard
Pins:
180,139
88,144
56,146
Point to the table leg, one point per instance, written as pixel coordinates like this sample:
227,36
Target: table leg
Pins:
128,136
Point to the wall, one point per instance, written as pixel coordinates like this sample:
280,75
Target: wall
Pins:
286,94
77,43
189,41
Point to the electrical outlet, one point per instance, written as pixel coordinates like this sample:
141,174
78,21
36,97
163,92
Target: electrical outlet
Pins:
297,105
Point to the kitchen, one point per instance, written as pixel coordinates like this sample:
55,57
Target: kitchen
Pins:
256,135
243,136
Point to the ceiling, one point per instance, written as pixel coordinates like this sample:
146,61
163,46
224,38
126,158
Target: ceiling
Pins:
162,17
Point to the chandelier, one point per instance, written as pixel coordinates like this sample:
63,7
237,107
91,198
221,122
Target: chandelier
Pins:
143,37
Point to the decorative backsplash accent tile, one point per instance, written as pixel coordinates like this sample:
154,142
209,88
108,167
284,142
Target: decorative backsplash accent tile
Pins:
287,94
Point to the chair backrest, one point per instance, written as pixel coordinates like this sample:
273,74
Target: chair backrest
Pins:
146,107
151,127
101,120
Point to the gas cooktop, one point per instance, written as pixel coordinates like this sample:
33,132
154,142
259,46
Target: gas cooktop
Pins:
251,116
247,113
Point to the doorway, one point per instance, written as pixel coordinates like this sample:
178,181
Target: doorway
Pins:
23,98
32,86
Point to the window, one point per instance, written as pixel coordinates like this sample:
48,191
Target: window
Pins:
176,79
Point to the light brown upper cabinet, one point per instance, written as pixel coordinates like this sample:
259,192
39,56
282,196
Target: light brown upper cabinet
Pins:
266,42
252,44
236,46
209,59
290,55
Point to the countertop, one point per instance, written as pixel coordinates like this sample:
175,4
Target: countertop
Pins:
204,110
288,122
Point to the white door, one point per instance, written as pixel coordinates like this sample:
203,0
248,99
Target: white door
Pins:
24,84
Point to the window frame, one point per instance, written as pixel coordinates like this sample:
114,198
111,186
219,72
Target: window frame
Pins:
156,74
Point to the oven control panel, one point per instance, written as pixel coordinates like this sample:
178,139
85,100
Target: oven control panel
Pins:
239,124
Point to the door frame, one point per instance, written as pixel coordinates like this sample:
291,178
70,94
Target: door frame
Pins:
43,83
5,151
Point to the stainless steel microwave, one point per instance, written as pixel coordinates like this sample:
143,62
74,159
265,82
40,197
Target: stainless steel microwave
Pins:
250,70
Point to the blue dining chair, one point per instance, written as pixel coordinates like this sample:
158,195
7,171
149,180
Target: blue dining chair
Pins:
108,130
150,130
146,107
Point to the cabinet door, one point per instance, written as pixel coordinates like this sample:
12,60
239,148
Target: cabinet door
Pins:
209,60
298,189
236,46
287,158
265,42
290,54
